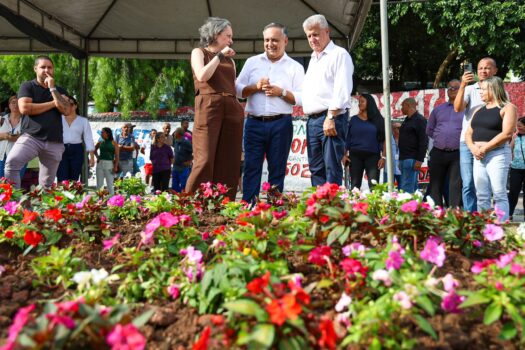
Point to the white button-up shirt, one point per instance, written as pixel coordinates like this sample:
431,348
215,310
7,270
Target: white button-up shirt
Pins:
79,131
328,80
472,98
285,73
6,145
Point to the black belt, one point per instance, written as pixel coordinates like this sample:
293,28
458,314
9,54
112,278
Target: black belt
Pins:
447,149
317,115
267,118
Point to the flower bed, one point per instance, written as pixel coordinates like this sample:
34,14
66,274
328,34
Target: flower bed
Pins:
329,269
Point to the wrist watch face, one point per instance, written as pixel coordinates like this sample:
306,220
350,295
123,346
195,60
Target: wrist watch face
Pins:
283,94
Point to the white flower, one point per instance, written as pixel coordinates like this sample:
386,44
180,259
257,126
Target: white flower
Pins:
98,275
431,282
343,302
403,196
431,202
382,275
82,278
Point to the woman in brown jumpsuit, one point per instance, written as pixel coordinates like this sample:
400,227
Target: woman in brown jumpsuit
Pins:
219,117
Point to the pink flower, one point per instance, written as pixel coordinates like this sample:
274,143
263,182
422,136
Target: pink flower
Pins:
21,318
205,235
69,306
433,251
174,291
2,270
394,260
279,214
165,219
403,299
266,186
126,338
500,214
168,219
319,255
409,207
451,302
184,218
136,199
109,243
361,207
384,219
517,269
194,256
343,302
83,202
354,247
499,286
449,282
383,276
506,259
56,319
477,244
493,232
438,213
116,201
479,266
222,189
11,207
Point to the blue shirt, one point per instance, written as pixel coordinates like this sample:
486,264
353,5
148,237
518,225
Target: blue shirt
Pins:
362,136
444,126
518,159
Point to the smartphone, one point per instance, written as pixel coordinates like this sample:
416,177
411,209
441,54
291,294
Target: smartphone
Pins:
467,67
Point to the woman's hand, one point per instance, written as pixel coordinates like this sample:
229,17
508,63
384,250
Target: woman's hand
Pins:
228,52
381,163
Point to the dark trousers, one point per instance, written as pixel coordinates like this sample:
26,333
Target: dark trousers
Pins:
444,164
361,162
161,180
325,153
265,138
516,185
70,166
179,177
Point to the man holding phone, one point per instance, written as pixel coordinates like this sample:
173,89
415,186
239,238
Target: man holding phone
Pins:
469,100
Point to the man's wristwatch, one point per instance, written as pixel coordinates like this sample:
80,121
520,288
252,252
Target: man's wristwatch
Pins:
52,89
329,117
284,93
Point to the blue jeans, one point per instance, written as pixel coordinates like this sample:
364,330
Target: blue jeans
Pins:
265,138
409,175
70,166
2,167
490,178
325,153
179,179
466,161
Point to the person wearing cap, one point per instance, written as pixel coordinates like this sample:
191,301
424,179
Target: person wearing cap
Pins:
127,145
271,82
326,98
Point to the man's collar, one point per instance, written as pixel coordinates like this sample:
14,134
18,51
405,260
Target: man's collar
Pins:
329,47
264,56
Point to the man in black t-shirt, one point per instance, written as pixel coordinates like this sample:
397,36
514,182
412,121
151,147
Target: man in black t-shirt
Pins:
42,105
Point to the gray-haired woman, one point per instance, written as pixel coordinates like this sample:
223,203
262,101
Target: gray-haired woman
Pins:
217,130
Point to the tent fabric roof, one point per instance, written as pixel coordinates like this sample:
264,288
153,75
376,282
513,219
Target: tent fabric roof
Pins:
164,28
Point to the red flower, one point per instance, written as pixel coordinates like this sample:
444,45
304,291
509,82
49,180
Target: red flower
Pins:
352,267
219,229
9,234
328,336
217,320
257,285
324,219
59,198
361,207
319,255
225,201
299,293
282,309
7,192
32,238
53,214
202,343
29,216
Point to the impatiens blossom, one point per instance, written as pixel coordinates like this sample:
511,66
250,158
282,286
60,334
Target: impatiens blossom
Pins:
11,207
135,198
98,276
174,291
285,308
328,338
109,243
2,270
479,266
193,255
343,302
319,255
500,214
83,202
403,299
410,207
395,256
266,186
361,207
434,251
279,214
517,269
202,343
116,201
449,282
23,315
451,301
505,259
354,247
352,267
493,232
382,275
32,238
165,219
126,337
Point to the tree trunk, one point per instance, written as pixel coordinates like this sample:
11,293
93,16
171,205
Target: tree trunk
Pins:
443,67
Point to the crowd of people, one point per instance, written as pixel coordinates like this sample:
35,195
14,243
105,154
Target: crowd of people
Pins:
471,138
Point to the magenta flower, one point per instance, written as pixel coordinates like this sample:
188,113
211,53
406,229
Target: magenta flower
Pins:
174,291
403,299
279,214
266,186
505,259
222,189
21,318
319,255
126,338
165,219
451,301
384,219
517,269
500,214
136,199
168,219
11,207
493,232
477,244
109,243
409,207
479,266
395,256
116,201
83,202
56,319
205,235
434,252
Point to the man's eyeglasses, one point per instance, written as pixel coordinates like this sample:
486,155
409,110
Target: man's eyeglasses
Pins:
454,88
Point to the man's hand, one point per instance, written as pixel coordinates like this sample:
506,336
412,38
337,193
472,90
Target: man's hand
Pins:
381,163
417,165
262,83
467,78
329,127
272,90
49,82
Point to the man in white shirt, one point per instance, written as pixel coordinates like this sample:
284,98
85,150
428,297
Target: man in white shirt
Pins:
271,82
146,151
469,100
326,99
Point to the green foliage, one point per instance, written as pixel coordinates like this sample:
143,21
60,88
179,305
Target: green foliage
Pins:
57,267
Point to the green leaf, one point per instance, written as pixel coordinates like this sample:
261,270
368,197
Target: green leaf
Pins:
293,343
334,235
243,236
324,283
474,299
375,344
492,313
144,318
263,336
508,332
24,340
246,307
426,304
425,325
344,236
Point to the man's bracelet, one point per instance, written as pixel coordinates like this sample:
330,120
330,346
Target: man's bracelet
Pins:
52,89
220,55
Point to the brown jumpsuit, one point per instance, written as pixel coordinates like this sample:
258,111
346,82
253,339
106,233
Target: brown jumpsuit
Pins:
217,129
